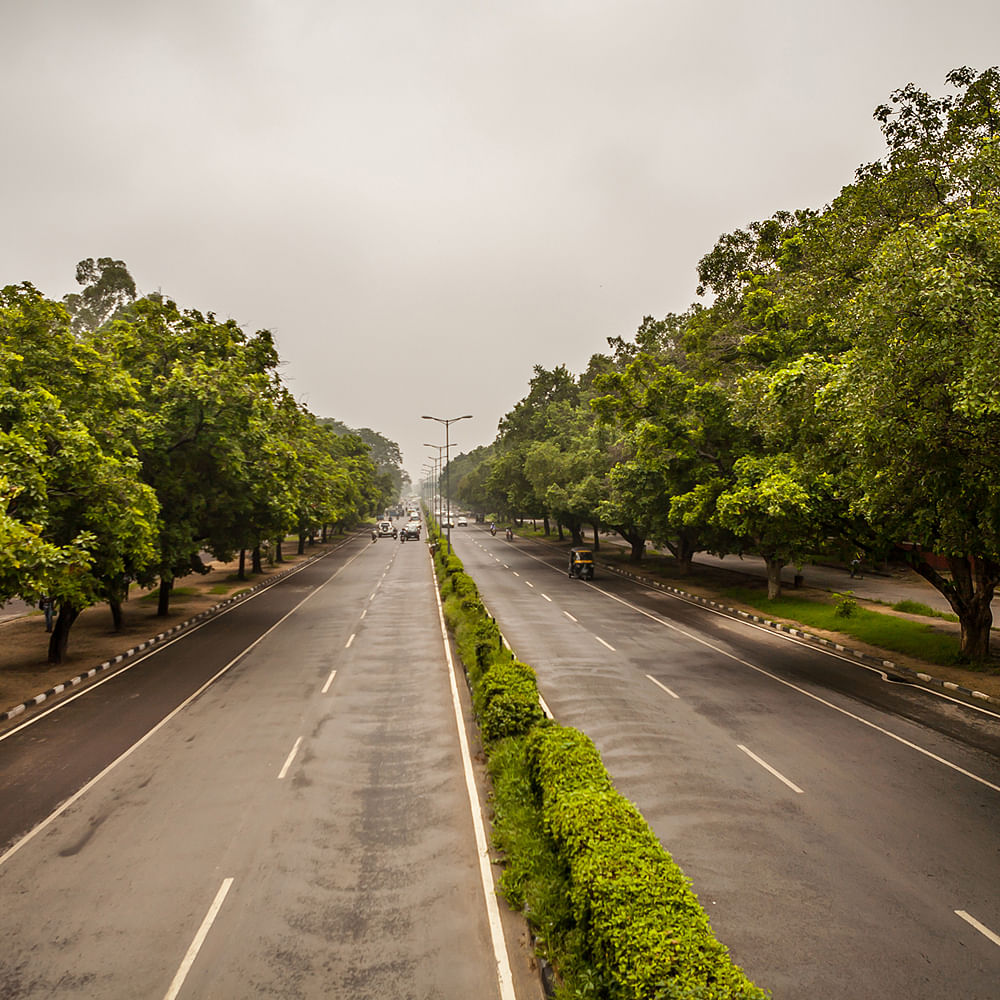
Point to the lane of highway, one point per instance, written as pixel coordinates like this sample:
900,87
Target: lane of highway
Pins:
833,841
301,828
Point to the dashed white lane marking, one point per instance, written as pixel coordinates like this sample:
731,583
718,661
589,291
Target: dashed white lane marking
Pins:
350,641
530,584
603,643
289,759
982,928
364,612
569,616
663,686
199,940
767,767
371,596
329,681
515,572
546,596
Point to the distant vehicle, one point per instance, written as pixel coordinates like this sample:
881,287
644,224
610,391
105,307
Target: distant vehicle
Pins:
581,564
386,529
414,515
411,530
463,521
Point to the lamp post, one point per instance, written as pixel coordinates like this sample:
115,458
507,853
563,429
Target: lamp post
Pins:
437,487
447,479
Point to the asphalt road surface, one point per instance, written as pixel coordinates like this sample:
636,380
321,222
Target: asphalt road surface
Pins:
274,805
841,830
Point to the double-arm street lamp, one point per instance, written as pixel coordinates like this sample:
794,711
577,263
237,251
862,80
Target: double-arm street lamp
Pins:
447,445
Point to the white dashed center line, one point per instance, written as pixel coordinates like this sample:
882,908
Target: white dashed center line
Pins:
662,686
603,643
767,767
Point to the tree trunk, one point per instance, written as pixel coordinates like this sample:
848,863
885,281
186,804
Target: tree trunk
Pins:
59,639
546,526
115,604
970,593
559,526
278,555
597,538
256,564
241,573
302,543
163,605
636,540
774,566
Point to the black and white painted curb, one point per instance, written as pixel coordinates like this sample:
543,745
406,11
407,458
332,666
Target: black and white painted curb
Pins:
799,633
143,646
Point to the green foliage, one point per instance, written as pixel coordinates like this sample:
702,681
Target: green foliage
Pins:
883,631
506,701
919,608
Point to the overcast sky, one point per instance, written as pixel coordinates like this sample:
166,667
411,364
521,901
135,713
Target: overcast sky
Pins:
425,199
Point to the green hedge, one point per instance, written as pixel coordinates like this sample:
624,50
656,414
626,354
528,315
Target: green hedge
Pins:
643,926
609,906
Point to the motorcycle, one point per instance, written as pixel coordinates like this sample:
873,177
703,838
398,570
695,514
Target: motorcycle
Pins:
510,535
493,530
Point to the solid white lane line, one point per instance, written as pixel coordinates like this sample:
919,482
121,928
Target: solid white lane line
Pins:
982,928
350,641
663,686
795,687
569,616
52,816
546,596
504,979
329,681
603,643
289,759
199,940
767,767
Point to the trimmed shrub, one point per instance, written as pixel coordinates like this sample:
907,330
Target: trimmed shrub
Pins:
506,701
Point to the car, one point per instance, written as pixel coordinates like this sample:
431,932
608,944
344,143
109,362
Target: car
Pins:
463,521
386,529
411,530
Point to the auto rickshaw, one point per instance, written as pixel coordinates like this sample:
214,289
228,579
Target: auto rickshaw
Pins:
581,564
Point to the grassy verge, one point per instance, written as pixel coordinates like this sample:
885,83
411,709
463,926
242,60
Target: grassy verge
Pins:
610,908
898,635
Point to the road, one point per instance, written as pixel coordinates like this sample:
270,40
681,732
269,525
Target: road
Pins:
841,830
275,805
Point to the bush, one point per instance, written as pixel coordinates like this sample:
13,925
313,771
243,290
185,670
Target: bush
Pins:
506,701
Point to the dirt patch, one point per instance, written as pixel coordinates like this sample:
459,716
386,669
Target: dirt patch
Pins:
25,672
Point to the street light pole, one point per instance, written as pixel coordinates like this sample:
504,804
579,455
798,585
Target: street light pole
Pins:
439,448
447,478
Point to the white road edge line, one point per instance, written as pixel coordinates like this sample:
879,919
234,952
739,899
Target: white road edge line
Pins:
545,708
504,978
663,686
795,687
603,643
982,928
199,940
329,681
289,759
56,813
767,767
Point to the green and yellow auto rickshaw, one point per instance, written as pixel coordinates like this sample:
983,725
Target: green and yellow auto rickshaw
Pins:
581,564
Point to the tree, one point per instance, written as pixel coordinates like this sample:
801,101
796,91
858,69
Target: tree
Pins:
107,288
921,400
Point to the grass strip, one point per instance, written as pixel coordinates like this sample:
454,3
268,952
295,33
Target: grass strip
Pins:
900,635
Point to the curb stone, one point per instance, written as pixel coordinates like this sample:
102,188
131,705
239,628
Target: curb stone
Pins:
17,710
799,633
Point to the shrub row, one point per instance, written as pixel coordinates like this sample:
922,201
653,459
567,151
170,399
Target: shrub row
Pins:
609,906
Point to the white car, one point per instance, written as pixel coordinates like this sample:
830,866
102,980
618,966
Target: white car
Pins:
463,522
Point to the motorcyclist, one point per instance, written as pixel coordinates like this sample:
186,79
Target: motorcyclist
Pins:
493,528
374,535
510,534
